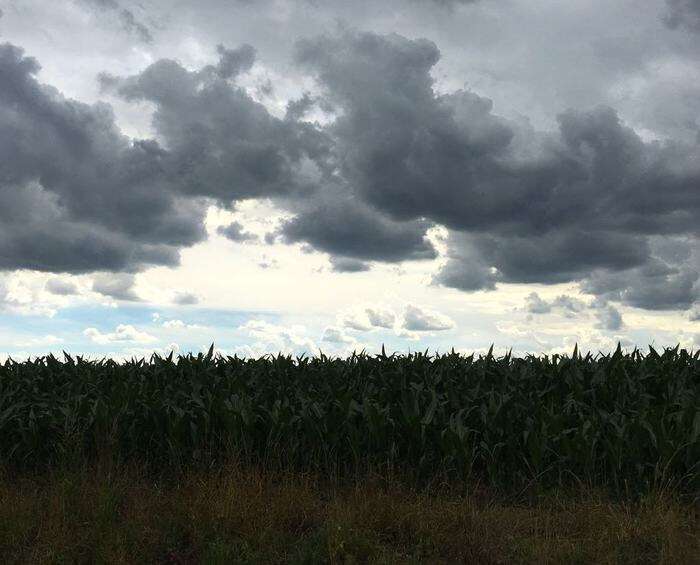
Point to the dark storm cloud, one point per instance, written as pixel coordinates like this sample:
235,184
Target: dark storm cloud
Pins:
413,153
343,226
346,265
590,201
402,147
683,14
654,286
127,19
75,194
221,143
566,254
523,207
235,232
670,279
466,269
79,196
116,285
297,109
233,62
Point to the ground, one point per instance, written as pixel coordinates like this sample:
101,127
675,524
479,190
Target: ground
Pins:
107,514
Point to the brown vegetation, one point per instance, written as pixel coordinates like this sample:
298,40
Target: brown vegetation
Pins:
235,515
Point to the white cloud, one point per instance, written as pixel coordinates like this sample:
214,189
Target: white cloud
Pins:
61,287
357,321
568,305
3,292
535,305
336,335
144,352
405,334
119,286
123,333
23,294
511,328
609,318
15,355
276,338
40,341
268,262
180,325
424,320
381,317
367,318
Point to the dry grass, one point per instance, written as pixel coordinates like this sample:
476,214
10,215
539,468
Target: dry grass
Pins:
234,515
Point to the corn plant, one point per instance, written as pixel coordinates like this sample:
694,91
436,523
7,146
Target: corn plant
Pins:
620,420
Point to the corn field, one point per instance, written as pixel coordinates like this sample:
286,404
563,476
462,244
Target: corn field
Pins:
621,421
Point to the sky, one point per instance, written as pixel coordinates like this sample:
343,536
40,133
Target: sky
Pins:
300,176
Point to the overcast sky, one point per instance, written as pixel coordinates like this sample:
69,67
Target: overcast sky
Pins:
305,175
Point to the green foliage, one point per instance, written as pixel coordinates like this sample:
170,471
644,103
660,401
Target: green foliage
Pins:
630,422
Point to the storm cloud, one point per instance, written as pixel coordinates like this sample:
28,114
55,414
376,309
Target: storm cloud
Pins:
589,201
347,265
344,226
75,194
235,232
522,206
683,14
220,142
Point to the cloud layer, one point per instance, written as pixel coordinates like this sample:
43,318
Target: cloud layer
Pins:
590,201
76,195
